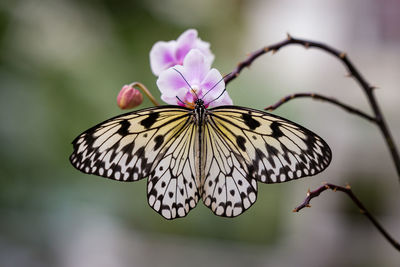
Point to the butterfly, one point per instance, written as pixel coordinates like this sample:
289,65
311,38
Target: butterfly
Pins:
215,154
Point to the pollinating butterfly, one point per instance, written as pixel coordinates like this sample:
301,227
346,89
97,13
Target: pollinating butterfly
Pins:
202,148
216,154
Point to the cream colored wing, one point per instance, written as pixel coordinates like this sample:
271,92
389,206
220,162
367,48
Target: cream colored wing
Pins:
273,149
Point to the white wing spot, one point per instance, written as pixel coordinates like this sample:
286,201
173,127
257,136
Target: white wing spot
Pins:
166,214
152,199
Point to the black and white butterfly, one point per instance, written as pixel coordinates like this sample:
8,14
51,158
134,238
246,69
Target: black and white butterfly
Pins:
217,155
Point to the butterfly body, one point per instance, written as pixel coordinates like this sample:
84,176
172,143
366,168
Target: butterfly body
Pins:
217,155
200,118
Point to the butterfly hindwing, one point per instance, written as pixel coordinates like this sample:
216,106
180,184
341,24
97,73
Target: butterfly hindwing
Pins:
273,149
228,188
172,187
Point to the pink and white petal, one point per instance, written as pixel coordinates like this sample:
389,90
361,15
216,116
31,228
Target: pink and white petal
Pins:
172,100
195,67
204,47
162,56
212,79
212,85
224,100
168,100
170,82
184,43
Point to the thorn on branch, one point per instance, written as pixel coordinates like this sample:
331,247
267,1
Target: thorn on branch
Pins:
342,55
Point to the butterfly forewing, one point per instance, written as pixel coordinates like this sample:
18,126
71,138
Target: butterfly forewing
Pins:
273,149
127,147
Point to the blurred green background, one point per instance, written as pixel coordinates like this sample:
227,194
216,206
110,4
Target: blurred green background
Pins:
62,64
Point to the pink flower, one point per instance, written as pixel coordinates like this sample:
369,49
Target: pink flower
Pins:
164,55
195,73
129,97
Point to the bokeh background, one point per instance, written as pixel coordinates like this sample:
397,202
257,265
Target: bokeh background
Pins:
62,64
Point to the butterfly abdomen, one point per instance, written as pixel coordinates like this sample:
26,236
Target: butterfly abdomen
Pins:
200,118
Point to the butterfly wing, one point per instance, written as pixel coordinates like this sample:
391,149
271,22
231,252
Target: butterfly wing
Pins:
155,143
244,146
228,188
127,146
172,186
272,149
241,146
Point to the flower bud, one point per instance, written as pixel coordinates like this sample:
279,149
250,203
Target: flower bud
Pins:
129,97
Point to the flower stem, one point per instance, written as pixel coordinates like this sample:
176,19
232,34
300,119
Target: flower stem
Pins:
145,91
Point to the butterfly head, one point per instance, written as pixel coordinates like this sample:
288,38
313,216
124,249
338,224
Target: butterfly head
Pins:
199,103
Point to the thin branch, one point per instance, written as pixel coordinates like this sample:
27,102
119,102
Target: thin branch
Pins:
363,210
353,72
323,98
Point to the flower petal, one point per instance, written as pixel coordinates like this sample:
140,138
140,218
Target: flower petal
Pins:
212,85
184,43
170,83
162,56
204,47
195,67
169,99
224,100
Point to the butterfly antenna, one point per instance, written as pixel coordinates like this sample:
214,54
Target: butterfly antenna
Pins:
187,83
217,97
223,91
180,100
223,78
